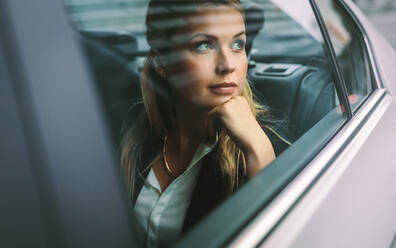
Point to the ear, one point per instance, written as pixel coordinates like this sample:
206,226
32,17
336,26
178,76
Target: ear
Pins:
158,65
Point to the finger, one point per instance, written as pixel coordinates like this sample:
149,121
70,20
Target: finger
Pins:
225,108
218,109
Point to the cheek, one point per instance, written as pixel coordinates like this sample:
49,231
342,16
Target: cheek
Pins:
178,74
190,74
243,66
242,72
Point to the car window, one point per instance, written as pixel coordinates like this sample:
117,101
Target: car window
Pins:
289,69
349,48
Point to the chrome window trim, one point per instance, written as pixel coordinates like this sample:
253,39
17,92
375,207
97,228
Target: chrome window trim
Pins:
266,221
367,44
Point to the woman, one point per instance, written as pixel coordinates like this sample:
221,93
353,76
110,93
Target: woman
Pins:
198,138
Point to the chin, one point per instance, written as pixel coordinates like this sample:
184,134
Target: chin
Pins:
212,103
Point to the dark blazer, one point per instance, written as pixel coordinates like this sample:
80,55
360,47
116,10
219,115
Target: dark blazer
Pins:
210,190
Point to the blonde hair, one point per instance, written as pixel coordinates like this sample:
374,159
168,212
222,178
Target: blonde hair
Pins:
159,117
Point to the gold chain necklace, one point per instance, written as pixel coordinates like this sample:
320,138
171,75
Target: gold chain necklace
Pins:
167,167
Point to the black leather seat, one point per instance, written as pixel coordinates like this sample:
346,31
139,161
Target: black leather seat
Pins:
315,98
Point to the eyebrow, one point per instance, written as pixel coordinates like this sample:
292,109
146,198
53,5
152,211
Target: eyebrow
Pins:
214,37
239,34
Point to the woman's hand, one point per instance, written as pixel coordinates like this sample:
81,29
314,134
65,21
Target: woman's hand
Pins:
246,132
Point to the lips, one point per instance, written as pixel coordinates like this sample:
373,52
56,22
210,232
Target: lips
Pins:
225,88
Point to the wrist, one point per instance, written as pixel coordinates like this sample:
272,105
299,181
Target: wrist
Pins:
258,155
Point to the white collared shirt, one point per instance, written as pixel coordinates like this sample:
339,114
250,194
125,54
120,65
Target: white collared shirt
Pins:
160,215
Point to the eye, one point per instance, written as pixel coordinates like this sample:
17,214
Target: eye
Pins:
238,45
203,46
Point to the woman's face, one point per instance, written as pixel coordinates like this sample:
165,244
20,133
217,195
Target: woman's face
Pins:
209,63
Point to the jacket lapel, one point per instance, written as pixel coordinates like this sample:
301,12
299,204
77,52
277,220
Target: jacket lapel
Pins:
208,193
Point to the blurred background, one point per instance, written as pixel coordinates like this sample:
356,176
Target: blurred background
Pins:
383,15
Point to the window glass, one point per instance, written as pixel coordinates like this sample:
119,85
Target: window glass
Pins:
348,45
280,52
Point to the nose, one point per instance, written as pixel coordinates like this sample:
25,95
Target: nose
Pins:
225,63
